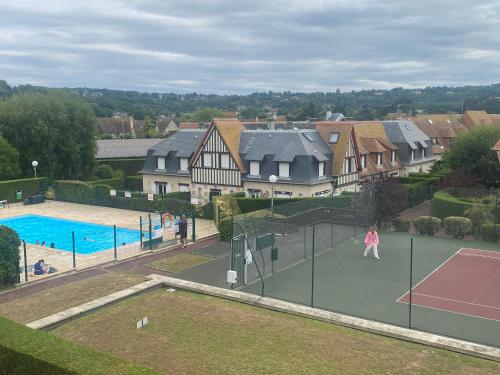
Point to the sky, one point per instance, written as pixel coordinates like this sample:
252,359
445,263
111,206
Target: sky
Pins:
239,47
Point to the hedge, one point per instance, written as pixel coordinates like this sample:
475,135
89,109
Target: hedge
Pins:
130,167
133,183
27,351
115,183
427,225
225,229
444,204
401,225
29,186
80,192
457,227
487,232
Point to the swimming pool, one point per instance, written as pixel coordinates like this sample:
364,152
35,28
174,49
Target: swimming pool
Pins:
89,238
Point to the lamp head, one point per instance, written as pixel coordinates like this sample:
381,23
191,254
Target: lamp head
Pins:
273,179
34,163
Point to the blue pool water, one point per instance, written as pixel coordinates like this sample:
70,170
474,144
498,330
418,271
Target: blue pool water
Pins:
89,238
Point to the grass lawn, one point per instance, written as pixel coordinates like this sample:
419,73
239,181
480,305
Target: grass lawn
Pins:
180,262
196,334
50,301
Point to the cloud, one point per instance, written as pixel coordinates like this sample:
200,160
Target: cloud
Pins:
223,46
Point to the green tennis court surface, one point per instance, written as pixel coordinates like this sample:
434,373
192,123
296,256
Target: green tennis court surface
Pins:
340,279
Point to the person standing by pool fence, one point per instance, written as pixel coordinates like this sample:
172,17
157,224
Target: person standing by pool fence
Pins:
371,242
183,229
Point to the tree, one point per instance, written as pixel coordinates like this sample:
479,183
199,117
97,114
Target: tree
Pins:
104,172
472,152
54,128
9,161
204,115
389,199
149,128
9,255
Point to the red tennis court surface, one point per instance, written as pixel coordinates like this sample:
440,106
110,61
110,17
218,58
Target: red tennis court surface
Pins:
467,283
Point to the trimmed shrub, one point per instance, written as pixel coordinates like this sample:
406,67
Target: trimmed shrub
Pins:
427,225
457,226
29,186
134,183
225,229
130,167
479,216
9,255
104,172
113,183
206,211
247,205
444,204
401,225
488,232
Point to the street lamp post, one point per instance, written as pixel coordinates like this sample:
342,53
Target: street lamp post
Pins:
272,180
34,163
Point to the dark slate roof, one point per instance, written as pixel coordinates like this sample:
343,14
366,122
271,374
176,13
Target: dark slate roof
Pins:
183,143
124,148
285,145
404,131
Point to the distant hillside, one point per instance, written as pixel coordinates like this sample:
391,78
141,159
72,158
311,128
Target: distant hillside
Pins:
361,105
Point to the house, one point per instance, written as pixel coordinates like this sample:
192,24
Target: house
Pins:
329,116
166,168
415,149
497,149
166,126
473,119
116,126
124,148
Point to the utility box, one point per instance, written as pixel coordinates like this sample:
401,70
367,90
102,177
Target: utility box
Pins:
232,277
19,195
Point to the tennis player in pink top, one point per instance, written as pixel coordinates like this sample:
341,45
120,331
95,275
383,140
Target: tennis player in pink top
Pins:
371,242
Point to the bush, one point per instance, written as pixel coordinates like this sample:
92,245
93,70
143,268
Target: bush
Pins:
427,225
29,186
206,211
225,229
104,172
113,183
444,204
130,167
488,232
457,227
479,216
401,225
247,205
133,183
9,255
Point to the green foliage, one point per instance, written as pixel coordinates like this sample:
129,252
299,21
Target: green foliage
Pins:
488,232
113,183
130,167
419,192
104,136
133,183
149,128
444,204
28,351
9,255
9,161
247,205
225,229
472,152
29,186
457,227
427,225
479,215
203,115
206,211
104,172
401,225
98,194
54,128
390,200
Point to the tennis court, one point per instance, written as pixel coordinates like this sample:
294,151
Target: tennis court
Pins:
323,266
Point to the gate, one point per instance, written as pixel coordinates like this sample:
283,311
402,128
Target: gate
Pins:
238,262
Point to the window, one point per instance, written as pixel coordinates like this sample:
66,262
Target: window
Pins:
393,156
348,165
183,187
162,188
321,169
254,168
207,159
284,170
224,161
408,127
183,164
379,158
308,136
412,154
334,137
160,163
363,161
282,194
254,193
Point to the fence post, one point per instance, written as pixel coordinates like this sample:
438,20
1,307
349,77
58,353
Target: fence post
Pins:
331,239
114,241
305,241
161,220
73,242
25,262
150,234
193,229
312,272
411,282
140,228
495,217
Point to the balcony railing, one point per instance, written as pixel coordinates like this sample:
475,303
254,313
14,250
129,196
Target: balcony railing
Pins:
347,179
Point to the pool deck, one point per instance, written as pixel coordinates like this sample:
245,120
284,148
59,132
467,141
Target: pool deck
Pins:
63,260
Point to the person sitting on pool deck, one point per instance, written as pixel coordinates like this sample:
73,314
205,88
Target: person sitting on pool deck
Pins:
39,268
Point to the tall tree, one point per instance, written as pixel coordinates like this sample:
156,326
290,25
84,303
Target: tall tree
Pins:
472,152
54,128
9,161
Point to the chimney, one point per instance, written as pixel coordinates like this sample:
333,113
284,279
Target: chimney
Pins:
328,115
271,121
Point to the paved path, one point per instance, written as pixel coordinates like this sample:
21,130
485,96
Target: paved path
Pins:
422,209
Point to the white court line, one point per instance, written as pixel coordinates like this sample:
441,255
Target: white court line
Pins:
429,275
483,251
452,311
479,256
456,300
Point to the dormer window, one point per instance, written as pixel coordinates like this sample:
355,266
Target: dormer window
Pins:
321,169
183,164
284,170
412,154
254,168
334,138
363,161
393,156
160,163
379,159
